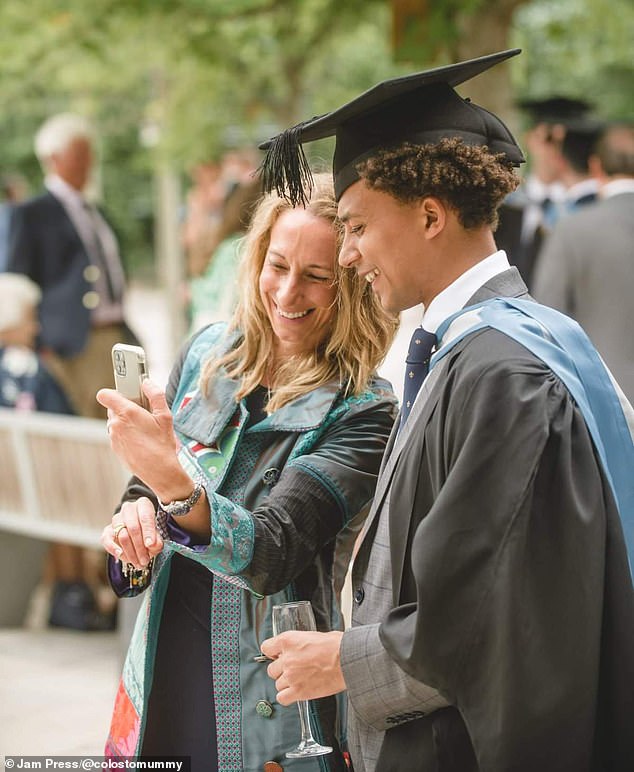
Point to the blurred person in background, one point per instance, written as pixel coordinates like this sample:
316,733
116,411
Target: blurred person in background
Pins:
578,146
65,245
528,213
212,188
25,382
214,294
202,213
62,242
586,267
13,188
65,597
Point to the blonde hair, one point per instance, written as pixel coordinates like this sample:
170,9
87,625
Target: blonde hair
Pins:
360,334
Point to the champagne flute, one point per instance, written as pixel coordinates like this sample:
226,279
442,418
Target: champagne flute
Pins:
298,615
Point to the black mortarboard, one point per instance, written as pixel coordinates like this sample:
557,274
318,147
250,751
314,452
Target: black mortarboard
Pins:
580,140
554,109
418,108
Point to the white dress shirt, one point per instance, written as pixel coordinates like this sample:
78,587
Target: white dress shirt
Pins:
455,296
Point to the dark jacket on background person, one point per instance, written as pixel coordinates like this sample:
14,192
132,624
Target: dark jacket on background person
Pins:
26,384
45,245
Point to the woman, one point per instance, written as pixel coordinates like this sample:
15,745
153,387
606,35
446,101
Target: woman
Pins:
278,431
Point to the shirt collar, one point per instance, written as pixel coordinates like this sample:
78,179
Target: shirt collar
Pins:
62,190
616,187
455,296
538,191
582,188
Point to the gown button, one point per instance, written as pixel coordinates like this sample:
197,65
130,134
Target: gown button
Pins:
271,476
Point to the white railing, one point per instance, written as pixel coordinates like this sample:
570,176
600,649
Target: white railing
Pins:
59,479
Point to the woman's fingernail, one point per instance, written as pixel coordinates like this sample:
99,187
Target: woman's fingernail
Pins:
149,541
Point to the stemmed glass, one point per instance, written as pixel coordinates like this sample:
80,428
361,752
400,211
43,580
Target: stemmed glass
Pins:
298,615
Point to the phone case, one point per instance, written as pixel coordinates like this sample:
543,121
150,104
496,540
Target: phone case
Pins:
130,371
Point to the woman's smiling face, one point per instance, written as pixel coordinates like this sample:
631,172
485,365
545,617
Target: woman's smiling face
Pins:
297,281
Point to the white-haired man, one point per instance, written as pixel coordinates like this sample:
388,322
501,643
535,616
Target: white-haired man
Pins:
64,244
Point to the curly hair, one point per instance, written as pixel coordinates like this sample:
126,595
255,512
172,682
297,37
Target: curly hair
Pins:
468,178
361,331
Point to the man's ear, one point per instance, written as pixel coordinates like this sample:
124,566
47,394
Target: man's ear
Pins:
434,215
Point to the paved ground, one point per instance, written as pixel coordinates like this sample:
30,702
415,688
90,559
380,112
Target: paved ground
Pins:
57,687
56,691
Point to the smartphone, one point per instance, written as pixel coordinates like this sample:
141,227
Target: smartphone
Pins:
130,370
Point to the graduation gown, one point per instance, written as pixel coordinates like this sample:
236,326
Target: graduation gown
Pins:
512,591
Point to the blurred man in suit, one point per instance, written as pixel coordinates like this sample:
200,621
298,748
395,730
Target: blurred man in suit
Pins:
586,267
578,146
528,213
65,245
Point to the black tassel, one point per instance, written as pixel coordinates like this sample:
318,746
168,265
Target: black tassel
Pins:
285,168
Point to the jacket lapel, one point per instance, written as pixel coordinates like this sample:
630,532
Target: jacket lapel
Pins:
399,439
509,283
303,414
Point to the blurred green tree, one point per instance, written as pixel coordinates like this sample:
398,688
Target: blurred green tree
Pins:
184,80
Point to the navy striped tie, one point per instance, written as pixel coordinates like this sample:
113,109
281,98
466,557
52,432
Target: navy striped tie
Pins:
416,368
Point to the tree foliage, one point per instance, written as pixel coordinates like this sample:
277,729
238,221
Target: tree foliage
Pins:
185,79
178,79
579,48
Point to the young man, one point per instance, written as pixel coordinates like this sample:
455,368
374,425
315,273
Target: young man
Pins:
493,604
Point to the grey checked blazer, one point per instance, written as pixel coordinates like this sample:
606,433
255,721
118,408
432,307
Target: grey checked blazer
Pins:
586,270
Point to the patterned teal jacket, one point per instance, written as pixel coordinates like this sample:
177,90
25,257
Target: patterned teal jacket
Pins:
287,496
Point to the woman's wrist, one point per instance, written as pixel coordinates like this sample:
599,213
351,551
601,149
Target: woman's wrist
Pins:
176,488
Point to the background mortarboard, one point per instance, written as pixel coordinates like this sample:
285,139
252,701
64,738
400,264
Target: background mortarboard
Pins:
580,139
554,109
418,108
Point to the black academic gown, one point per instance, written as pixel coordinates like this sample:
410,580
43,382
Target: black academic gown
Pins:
521,253
512,591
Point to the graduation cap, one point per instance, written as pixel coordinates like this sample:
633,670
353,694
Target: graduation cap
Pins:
420,108
555,109
580,139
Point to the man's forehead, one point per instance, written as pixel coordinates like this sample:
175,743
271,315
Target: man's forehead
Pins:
352,200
